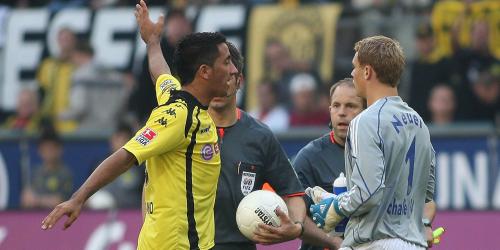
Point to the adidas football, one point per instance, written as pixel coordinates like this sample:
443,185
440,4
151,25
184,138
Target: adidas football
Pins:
259,207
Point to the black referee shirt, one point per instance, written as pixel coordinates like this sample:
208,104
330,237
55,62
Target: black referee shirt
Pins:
319,163
251,156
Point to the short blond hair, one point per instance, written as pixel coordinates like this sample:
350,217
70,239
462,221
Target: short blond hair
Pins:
385,55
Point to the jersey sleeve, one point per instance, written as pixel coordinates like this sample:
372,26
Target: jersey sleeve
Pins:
368,173
163,132
164,84
279,172
431,184
303,168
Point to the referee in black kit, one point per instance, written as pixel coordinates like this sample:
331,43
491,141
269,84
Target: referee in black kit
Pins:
321,161
250,156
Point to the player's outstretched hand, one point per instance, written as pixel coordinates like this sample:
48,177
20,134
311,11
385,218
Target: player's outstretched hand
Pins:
70,208
150,32
326,214
288,230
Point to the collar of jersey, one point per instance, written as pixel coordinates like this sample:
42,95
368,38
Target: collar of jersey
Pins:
190,99
332,139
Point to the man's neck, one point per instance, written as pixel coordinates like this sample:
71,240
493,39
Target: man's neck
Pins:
338,140
378,91
198,93
223,117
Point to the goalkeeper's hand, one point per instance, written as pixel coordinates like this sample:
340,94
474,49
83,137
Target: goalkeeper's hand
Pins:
317,194
326,214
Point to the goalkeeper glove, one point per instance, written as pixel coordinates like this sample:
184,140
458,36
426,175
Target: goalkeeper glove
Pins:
317,194
326,214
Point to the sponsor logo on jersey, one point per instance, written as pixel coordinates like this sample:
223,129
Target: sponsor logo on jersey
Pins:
166,85
170,112
162,121
216,148
146,136
207,152
247,182
205,130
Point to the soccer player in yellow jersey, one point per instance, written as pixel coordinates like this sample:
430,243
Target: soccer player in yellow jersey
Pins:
178,143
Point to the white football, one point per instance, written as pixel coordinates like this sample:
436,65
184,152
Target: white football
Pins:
259,207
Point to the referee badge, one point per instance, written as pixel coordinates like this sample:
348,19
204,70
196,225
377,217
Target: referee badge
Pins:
247,182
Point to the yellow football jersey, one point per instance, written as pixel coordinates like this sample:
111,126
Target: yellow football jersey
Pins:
179,145
54,77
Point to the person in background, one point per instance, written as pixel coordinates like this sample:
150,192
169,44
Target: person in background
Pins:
98,93
441,105
305,104
125,191
51,182
269,110
427,70
26,117
54,79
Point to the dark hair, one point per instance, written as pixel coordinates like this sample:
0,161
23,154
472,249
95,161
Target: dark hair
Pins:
236,57
347,82
195,50
49,134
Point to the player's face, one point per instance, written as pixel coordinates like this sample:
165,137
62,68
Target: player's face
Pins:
233,86
223,71
345,105
358,76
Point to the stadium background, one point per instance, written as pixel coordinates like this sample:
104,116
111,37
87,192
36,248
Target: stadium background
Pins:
468,180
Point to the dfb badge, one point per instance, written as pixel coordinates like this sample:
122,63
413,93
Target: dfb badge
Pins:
146,137
247,182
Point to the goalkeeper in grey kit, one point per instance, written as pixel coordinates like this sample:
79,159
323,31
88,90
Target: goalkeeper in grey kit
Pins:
390,162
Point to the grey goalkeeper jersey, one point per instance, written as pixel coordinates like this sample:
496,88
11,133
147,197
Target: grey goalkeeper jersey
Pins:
389,163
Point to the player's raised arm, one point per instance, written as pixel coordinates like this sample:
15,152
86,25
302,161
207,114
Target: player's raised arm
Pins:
151,35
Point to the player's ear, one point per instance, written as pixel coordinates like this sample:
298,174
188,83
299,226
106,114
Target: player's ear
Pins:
204,71
368,71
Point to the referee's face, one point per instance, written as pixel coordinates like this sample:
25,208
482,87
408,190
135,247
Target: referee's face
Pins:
345,105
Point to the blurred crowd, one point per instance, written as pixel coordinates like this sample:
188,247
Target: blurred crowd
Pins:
452,75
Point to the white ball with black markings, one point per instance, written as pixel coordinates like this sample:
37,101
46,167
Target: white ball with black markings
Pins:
259,207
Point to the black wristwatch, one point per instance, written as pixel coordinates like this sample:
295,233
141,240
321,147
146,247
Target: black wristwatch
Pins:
426,222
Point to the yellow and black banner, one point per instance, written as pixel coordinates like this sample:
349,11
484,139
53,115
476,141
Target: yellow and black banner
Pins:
448,16
308,33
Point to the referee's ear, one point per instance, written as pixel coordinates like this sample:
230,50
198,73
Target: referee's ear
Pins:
240,81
